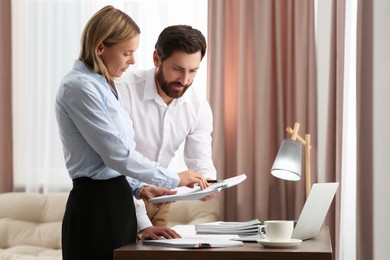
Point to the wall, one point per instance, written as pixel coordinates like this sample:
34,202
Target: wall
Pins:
323,10
381,126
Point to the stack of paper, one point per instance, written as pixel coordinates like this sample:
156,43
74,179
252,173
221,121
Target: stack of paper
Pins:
237,228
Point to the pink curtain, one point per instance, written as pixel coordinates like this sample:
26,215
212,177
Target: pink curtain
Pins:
6,180
364,109
335,116
262,79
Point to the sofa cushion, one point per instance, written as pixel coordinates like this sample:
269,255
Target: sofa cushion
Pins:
193,212
24,252
18,232
31,219
34,207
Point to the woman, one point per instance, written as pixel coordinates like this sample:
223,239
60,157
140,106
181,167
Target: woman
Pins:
98,143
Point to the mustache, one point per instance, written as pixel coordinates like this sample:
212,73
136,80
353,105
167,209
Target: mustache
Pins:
178,83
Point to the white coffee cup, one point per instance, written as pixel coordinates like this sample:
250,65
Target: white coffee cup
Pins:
277,230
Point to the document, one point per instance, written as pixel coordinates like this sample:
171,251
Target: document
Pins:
222,227
193,243
197,193
192,240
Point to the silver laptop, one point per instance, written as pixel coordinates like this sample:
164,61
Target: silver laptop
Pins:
315,209
313,213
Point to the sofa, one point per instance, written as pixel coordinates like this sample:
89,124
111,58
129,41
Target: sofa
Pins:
30,223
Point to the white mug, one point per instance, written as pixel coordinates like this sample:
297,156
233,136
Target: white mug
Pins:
277,230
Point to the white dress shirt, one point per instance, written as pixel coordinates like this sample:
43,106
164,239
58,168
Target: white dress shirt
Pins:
161,128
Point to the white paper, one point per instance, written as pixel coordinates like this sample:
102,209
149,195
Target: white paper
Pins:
197,193
221,227
194,243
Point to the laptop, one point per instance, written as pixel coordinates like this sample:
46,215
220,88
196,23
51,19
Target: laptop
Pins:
313,213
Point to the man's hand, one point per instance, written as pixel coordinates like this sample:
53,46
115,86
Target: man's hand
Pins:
209,197
155,232
190,178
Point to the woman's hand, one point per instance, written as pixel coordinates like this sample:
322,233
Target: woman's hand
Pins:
156,232
150,191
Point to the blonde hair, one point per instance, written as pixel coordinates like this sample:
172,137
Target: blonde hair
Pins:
109,26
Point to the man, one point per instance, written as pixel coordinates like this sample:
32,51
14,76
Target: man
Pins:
166,111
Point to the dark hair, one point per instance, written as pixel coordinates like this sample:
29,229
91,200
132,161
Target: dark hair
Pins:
180,38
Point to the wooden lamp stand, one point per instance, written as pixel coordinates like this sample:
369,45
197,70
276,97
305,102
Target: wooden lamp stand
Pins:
306,143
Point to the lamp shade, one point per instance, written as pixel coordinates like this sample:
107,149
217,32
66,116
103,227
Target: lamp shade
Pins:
288,161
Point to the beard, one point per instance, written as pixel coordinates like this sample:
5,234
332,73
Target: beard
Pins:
170,88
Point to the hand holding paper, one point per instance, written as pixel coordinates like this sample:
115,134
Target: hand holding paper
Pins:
197,193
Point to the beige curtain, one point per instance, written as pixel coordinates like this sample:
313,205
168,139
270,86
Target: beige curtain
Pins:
5,98
364,109
262,78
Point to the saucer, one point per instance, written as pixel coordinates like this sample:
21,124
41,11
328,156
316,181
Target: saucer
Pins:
280,244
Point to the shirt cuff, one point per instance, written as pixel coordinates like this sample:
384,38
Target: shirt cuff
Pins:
139,191
143,220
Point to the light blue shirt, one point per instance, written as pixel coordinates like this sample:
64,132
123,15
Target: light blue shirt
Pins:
97,134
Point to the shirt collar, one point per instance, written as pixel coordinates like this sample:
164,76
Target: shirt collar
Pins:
151,91
80,66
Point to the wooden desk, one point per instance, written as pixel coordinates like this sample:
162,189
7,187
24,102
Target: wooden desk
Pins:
319,248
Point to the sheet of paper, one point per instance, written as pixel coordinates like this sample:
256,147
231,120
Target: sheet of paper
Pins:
194,242
196,194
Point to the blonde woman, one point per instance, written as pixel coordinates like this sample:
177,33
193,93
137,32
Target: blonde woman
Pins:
99,149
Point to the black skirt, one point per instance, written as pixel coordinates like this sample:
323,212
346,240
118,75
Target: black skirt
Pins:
99,217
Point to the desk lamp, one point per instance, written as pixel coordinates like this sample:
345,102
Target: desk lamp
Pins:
288,161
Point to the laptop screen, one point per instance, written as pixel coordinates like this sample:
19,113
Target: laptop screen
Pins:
315,209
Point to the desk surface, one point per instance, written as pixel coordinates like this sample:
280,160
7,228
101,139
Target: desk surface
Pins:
318,248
